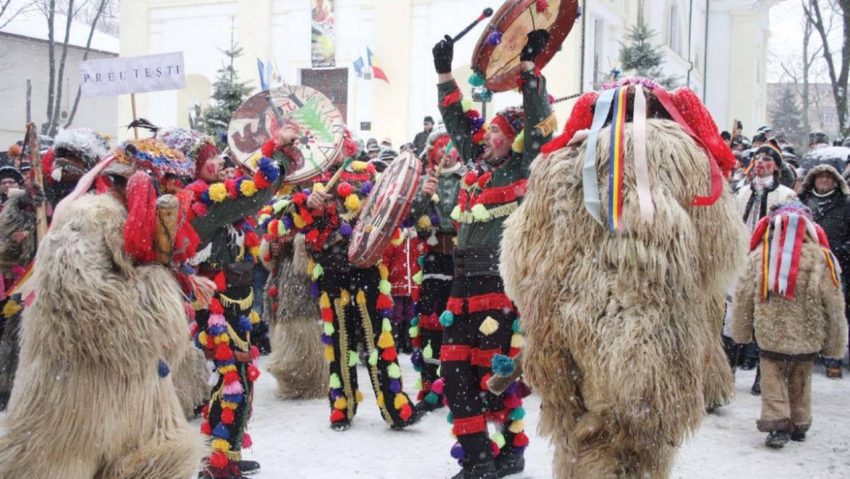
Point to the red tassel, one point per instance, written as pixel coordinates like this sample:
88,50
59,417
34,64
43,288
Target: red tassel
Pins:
252,373
247,442
223,353
215,304
206,429
210,343
220,282
389,354
254,352
495,448
260,181
337,415
268,148
312,236
251,239
384,302
231,377
227,416
140,227
218,460
405,412
272,292
327,315
520,440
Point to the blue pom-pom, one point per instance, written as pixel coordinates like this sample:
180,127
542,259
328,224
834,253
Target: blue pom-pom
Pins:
162,368
450,419
216,330
395,386
503,365
345,230
287,222
326,340
517,414
234,398
335,394
314,290
476,79
366,188
269,169
447,319
486,95
431,398
416,360
221,431
494,38
414,321
205,198
457,452
245,324
435,220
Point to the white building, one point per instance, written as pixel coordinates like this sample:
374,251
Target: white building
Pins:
401,33
24,55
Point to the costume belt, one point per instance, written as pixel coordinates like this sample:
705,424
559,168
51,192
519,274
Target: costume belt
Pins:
476,262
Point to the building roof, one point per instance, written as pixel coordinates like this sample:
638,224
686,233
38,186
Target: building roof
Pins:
33,24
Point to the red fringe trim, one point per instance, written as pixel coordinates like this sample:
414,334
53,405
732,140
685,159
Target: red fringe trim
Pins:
455,352
483,357
501,194
480,303
469,425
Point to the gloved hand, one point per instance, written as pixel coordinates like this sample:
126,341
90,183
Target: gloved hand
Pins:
535,44
444,52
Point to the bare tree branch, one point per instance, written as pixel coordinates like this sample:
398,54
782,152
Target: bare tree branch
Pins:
51,60
54,121
839,75
4,7
100,9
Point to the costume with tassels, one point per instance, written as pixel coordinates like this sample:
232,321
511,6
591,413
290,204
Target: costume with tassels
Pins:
355,303
480,321
226,255
790,298
434,223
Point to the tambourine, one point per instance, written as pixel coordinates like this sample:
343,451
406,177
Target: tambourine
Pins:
496,57
388,204
261,116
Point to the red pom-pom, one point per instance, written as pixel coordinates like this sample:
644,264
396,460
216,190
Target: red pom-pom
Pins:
251,239
512,401
541,5
220,281
384,302
231,377
210,343
199,209
312,236
405,412
495,448
483,383
215,304
370,168
218,460
389,354
268,148
272,291
327,315
344,189
337,415
206,429
247,442
260,181
470,178
484,179
306,216
252,373
205,410
299,199
223,353
232,187
47,164
227,416
478,136
254,352
520,440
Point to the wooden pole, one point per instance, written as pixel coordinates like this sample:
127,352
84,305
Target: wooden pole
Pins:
35,169
133,105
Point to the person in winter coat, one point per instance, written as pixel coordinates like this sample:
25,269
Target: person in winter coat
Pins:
753,202
402,259
825,192
790,297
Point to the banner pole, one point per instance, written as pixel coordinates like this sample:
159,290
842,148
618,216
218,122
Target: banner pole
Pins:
133,105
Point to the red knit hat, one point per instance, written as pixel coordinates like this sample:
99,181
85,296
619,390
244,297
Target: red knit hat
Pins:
510,121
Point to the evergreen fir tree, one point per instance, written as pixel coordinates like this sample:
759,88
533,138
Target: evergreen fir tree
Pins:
641,58
787,117
228,94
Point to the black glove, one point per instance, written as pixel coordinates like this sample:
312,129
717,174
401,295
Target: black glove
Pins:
443,52
535,44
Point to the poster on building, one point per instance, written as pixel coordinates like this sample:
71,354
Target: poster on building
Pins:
116,76
322,38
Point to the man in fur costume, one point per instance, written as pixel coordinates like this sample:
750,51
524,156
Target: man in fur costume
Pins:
229,246
479,320
296,360
432,210
616,259
355,303
74,152
790,295
93,396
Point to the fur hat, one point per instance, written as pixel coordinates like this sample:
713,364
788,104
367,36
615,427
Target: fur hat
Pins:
11,172
150,155
824,168
182,139
511,121
75,151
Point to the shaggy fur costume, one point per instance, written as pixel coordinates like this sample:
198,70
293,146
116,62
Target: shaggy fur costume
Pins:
296,360
90,399
622,342
190,381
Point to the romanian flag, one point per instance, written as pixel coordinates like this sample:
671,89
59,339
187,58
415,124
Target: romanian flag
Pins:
368,69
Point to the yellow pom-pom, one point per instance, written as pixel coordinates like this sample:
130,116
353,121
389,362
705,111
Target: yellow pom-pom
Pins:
518,145
298,221
517,427
324,301
359,166
254,317
329,354
286,189
380,400
361,297
226,369
202,338
220,445
217,192
340,403
399,401
488,326
310,265
344,297
255,251
352,203
385,340
248,188
320,187
222,339
383,271
517,341
229,405
358,396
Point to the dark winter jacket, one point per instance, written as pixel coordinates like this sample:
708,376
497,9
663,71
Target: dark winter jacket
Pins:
831,212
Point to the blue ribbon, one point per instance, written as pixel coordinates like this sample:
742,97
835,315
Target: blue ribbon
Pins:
590,181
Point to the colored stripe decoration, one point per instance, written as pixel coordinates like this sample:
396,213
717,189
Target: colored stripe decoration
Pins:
615,164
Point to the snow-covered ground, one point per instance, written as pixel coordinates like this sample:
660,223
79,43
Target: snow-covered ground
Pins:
292,439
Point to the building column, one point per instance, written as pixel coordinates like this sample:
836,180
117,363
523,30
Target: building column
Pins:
391,46
134,41
747,60
253,33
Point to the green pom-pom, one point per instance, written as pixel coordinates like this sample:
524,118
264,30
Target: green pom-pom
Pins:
280,205
449,418
466,104
499,439
334,382
517,414
414,332
421,261
516,327
414,321
394,371
386,326
456,213
373,358
329,329
447,319
431,398
419,277
385,287
476,79
318,271
428,353
352,359
417,384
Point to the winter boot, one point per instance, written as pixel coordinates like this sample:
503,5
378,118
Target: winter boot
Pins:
249,468
776,439
509,463
485,470
427,407
340,426
798,435
756,389
413,419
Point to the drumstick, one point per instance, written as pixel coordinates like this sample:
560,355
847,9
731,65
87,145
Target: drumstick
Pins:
486,13
329,186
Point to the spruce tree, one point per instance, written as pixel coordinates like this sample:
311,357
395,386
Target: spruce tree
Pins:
641,58
787,117
228,94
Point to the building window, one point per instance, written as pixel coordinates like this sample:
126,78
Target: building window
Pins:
674,29
598,50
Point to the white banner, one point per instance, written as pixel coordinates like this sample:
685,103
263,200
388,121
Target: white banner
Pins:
118,76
